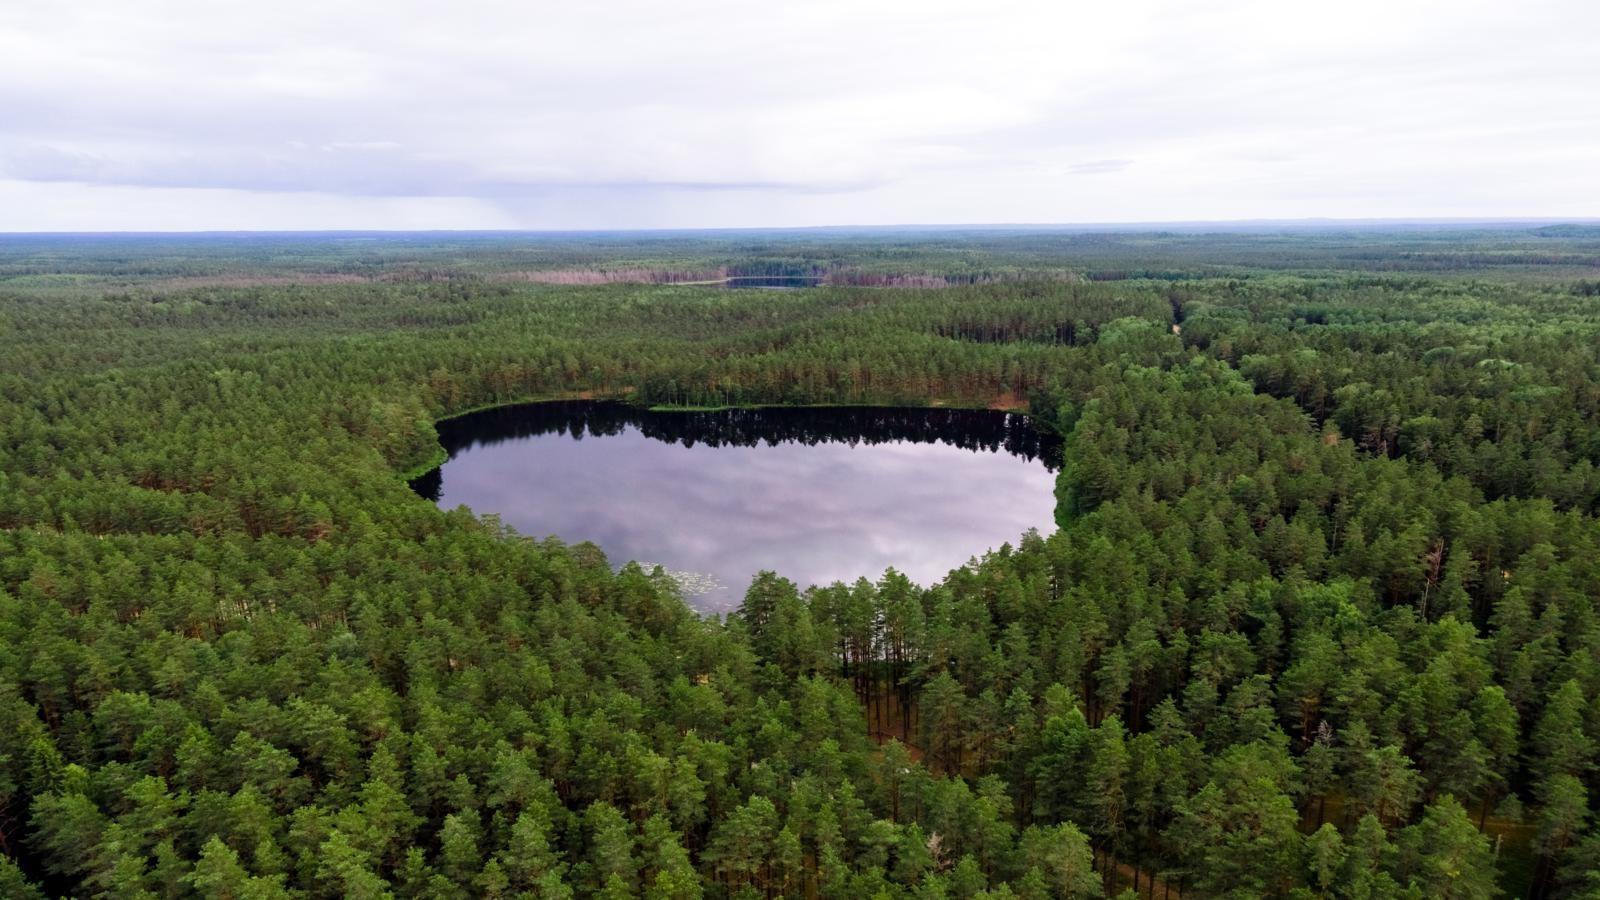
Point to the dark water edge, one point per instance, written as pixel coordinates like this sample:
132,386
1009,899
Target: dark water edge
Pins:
818,494
994,431
773,282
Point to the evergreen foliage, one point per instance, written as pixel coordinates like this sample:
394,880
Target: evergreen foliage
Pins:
1319,620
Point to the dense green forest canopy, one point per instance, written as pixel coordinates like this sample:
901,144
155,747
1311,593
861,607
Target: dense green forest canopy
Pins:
1319,619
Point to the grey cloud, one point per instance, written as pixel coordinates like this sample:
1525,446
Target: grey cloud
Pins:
360,168
720,112
1099,166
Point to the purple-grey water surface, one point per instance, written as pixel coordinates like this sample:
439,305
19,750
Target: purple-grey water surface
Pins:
817,495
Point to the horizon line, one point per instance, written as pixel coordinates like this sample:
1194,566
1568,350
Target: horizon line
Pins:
1301,222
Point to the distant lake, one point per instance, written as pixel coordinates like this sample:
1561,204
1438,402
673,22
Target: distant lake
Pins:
772,282
815,494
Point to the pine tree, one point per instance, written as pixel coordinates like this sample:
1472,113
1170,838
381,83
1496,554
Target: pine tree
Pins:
1445,856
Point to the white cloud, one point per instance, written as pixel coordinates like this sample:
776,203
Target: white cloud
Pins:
143,113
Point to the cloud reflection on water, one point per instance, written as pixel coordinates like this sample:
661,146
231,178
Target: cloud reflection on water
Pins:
815,513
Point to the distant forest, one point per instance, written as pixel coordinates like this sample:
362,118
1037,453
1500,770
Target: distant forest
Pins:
1321,618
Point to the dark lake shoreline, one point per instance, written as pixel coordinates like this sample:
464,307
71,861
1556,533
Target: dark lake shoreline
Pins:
747,426
816,493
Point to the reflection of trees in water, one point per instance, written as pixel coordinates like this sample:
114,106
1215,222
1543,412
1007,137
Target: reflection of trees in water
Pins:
971,429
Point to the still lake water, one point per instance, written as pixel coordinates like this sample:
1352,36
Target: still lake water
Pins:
817,495
773,282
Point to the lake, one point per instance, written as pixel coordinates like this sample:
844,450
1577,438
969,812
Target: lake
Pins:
773,282
815,494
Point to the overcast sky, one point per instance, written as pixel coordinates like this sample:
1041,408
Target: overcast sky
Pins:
198,114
